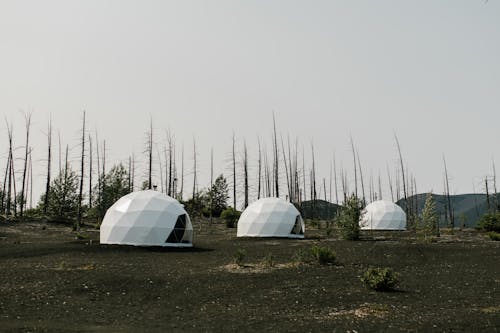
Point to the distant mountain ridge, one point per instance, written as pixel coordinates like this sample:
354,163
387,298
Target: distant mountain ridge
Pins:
467,208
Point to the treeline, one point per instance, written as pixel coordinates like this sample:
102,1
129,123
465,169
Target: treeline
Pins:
284,168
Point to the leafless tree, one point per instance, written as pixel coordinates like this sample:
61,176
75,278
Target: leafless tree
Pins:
447,184
245,173
259,175
355,169
389,179
195,180
49,164
27,118
276,162
402,171
497,202
234,171
90,170
150,154
82,165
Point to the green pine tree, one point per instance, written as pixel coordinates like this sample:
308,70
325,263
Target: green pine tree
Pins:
430,218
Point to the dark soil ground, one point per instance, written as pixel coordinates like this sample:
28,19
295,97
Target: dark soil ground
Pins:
53,281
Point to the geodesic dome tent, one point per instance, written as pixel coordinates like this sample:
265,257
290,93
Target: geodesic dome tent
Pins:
271,217
383,215
147,218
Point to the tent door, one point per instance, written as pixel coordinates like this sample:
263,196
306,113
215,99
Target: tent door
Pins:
178,233
297,227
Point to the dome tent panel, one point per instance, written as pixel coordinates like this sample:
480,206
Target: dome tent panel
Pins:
146,218
383,215
270,217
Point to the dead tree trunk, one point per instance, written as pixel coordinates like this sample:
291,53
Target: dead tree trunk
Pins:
49,162
27,118
276,163
234,173
245,173
150,154
211,192
389,179
335,178
450,209
260,170
82,165
497,202
288,182
355,169
194,170
361,178
402,172
90,171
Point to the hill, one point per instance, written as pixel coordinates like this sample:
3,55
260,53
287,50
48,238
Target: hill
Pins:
467,208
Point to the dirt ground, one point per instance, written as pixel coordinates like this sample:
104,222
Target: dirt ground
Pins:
53,281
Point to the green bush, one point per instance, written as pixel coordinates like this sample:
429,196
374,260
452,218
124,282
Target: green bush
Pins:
348,220
231,216
380,279
268,261
239,256
489,222
494,235
323,255
300,257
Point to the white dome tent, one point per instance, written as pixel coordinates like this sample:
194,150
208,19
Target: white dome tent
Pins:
271,217
383,215
147,218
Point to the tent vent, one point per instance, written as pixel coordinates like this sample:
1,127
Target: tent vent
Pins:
178,233
297,227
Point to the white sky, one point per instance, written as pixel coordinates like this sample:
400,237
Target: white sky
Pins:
428,70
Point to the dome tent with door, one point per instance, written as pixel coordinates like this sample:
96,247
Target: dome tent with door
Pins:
383,215
271,217
147,218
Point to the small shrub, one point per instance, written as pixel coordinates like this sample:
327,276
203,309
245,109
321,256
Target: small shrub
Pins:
494,235
239,256
380,279
268,261
231,216
81,236
489,222
300,257
323,255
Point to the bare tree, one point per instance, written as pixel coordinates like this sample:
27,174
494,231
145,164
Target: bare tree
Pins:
497,202
390,183
260,170
27,118
211,183
450,209
150,154
402,172
361,177
276,163
355,170
288,182
234,172
335,178
90,171
49,164
181,192
245,173
379,186
80,193
195,180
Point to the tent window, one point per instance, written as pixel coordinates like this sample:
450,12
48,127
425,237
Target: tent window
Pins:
297,228
178,233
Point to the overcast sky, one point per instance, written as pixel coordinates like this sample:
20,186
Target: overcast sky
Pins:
426,70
